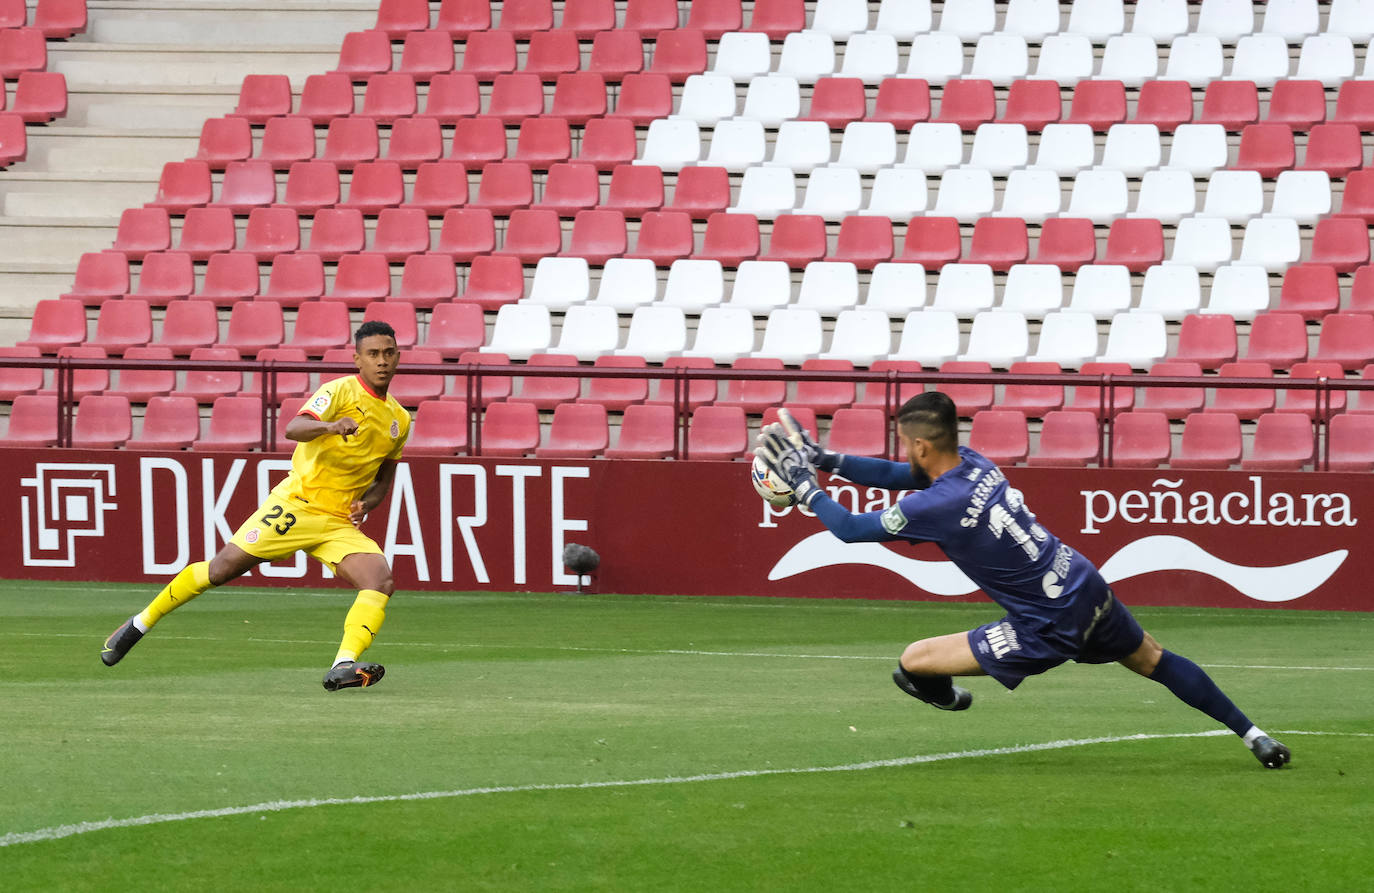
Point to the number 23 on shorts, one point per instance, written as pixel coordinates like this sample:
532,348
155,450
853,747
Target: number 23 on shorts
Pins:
277,512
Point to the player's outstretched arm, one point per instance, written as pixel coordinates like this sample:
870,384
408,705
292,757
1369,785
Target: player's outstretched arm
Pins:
849,527
306,427
859,469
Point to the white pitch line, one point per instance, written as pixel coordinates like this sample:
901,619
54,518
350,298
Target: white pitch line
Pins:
57,832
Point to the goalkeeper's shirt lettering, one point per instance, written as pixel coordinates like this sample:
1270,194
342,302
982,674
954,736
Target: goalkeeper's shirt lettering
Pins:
331,471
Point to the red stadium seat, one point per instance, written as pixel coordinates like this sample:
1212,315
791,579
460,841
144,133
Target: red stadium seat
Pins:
56,324
493,388
33,422
543,142
1232,104
1033,400
1140,440
551,53
1334,148
263,96
14,143
1211,440
715,17
901,102
169,423
1099,104
16,380
515,97
207,231
311,186
664,236
288,384
644,97
864,241
121,325
876,394
1134,243
363,53
401,317
440,429
337,355
349,142
824,397
607,142
858,431
634,190
1311,290
100,275
1033,104
598,235
969,398
462,17
427,280
376,185
587,18
13,14
413,388
717,433
415,141
647,431
730,239
1340,242
253,326
325,97
1165,104
1358,198
397,17
40,96
695,393
21,50
1348,339
400,233
1066,242
439,186
236,425
165,276
389,96
142,230
206,385
531,235
616,54
182,185
1299,104
1279,339
510,429
799,239
1355,104
679,53
85,381
60,19
524,17
701,192
270,231
294,280
488,54
755,395
1362,291
579,96
467,233
102,422
505,186
840,100
1174,402
1098,400
479,140
1245,403
1070,438
493,281
932,242
967,102
999,242
452,97
1350,440
1267,148
247,185
1309,401
320,326
188,325
1282,442
617,394
578,431
425,54
1207,339
650,15
359,280
1000,435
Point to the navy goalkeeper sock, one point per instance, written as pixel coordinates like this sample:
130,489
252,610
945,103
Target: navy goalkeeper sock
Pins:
1191,685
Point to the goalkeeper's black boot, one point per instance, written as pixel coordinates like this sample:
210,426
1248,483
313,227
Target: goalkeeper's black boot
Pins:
1271,754
353,675
120,641
951,698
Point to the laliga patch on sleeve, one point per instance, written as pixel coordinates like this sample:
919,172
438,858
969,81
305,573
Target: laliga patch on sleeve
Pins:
319,403
893,519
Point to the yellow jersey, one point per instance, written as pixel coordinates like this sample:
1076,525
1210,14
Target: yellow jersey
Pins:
331,471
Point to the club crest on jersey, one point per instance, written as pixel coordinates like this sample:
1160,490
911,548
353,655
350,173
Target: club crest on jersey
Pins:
251,536
395,429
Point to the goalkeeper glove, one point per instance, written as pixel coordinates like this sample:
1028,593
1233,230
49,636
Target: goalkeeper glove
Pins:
788,461
818,456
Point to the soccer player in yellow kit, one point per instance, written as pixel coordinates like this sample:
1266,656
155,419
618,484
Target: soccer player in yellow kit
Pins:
349,436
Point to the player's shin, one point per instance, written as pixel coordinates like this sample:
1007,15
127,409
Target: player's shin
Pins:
1191,685
361,624
189,583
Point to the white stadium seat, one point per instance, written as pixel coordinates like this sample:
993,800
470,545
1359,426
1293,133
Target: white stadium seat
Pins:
589,330
1098,194
1240,291
1195,58
1033,195
1329,58
656,333
861,336
766,192
896,289
1203,242
807,56
899,193
1228,20
1102,290
999,148
965,193
1291,20
1234,195
1132,59
792,335
934,147
870,57
1138,338
964,289
693,285
1099,19
840,18
1033,289
761,286
1132,148
707,98
1271,242
521,330
1262,58
1162,20
930,337
997,337
1066,58
672,144
1067,337
560,282
802,146
1198,148
1066,149
1303,195
1167,194
868,146
742,55
969,19
737,144
936,58
832,192
1032,19
829,287
904,19
724,334
1171,290
627,283
1000,58
772,100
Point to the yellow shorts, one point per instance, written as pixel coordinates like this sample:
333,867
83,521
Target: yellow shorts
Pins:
282,527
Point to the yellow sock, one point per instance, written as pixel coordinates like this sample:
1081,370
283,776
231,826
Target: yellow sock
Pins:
361,625
191,582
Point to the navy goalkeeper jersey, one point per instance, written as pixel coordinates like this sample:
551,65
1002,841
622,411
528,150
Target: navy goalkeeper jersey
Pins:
986,529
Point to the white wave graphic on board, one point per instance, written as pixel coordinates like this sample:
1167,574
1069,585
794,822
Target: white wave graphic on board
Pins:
1152,553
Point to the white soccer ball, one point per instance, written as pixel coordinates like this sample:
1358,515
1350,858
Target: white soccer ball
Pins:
774,490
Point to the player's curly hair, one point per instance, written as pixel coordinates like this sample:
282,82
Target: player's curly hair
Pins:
372,327
932,417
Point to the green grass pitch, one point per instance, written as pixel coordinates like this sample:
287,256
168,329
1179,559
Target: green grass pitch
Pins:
503,748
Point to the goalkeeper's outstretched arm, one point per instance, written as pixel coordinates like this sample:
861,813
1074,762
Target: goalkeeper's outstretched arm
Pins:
847,526
880,473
